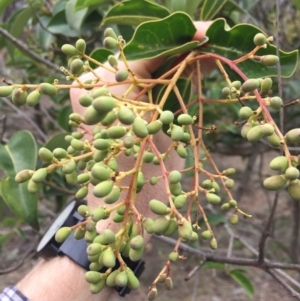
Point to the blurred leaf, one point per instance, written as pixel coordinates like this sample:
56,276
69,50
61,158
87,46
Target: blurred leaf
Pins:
75,18
80,4
59,25
57,140
297,4
3,238
134,12
16,26
20,201
214,265
243,281
226,42
45,38
4,4
19,153
169,36
63,118
214,219
211,8
8,222
99,55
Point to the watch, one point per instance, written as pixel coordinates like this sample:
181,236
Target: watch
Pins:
75,249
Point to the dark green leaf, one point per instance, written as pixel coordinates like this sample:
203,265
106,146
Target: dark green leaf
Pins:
99,55
75,18
45,38
243,281
134,13
169,36
214,219
86,3
214,265
59,25
63,118
237,41
4,4
296,3
57,140
19,153
211,8
20,201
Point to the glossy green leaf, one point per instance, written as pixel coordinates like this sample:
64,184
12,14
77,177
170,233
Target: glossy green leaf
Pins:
100,55
75,18
80,4
169,36
237,41
243,281
58,25
20,201
19,153
214,265
211,8
214,219
132,12
57,140
63,118
4,4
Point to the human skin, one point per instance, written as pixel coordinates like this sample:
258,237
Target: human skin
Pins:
60,279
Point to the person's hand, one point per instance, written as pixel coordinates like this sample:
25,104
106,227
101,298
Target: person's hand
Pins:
62,279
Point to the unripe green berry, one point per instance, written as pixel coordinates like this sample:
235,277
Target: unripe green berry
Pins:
84,210
148,157
276,102
139,128
160,224
33,98
128,141
137,242
274,140
121,75
85,100
181,151
39,175
185,119
245,112
69,50
133,282
236,84
125,115
177,133
269,60
234,218
121,279
24,175
267,129
255,134
176,188
233,203
166,117
110,43
82,193
174,177
180,201
111,279
99,213
213,198
5,91
154,127
226,91
293,136
79,233
250,85
109,32
259,39
103,189
229,183
185,230
294,190
19,97
71,178
113,196
76,66
292,173
153,180
206,234
60,153
173,256
101,144
229,171
279,163
109,258
152,294
81,45
266,85
169,283
225,207
69,167
275,182
32,187
104,104
213,244
62,234
116,132
47,89
112,60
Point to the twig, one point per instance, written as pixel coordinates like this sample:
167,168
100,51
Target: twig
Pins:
62,189
19,44
21,113
284,284
213,256
266,232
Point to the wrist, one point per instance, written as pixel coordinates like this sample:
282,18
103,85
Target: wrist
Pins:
58,279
